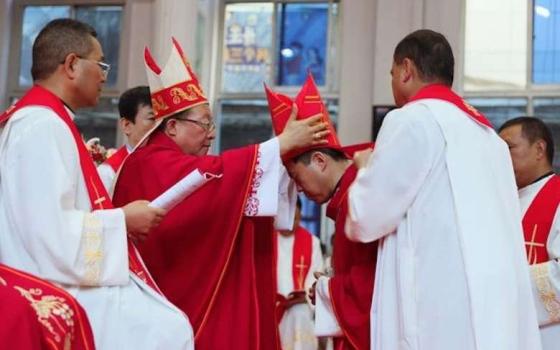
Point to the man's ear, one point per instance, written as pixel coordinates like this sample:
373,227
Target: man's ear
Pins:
70,66
541,149
408,70
320,160
126,126
170,127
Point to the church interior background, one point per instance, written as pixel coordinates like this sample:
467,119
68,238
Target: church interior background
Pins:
507,58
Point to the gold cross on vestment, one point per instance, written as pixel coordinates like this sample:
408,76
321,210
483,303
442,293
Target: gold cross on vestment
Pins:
100,200
532,259
301,266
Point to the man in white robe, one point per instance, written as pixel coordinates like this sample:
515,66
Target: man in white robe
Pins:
532,152
47,226
439,193
136,119
296,325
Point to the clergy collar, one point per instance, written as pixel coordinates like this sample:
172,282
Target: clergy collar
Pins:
536,182
542,177
67,106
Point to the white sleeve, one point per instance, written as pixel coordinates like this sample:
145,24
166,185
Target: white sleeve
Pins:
316,262
545,279
286,201
41,179
107,175
326,324
273,193
407,146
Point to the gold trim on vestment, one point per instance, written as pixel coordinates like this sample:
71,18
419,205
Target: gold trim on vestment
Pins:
546,291
92,252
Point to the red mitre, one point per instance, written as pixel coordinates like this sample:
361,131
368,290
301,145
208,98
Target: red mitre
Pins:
309,103
174,88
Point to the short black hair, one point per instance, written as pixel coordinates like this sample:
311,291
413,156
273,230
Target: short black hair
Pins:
533,129
431,53
305,157
132,99
58,39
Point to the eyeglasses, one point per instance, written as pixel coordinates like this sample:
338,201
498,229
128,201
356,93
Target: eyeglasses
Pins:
105,67
208,127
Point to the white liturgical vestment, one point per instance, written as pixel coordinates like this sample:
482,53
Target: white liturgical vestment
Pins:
439,193
47,228
296,326
545,277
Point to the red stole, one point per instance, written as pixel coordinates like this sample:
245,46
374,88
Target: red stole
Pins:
351,287
210,260
116,159
301,258
443,92
302,254
38,315
98,196
538,220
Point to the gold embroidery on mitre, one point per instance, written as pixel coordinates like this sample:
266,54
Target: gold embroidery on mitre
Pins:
158,104
546,292
48,308
191,93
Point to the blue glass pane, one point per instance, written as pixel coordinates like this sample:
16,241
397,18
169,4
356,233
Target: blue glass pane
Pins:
34,19
302,38
107,23
500,110
310,215
247,47
546,42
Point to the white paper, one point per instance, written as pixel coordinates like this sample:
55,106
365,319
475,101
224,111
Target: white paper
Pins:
182,189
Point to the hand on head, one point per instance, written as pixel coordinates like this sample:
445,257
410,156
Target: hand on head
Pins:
302,133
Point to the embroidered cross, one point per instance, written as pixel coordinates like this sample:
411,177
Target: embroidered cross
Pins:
100,200
532,245
301,266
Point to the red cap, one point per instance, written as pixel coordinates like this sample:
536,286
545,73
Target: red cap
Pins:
309,103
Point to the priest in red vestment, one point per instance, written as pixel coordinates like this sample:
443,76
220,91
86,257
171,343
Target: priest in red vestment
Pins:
532,152
213,254
136,119
299,257
324,173
38,315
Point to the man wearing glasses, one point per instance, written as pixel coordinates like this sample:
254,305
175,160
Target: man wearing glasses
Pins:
213,255
56,218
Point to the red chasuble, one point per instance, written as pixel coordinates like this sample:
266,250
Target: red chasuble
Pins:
538,220
38,315
98,196
210,260
351,287
115,161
